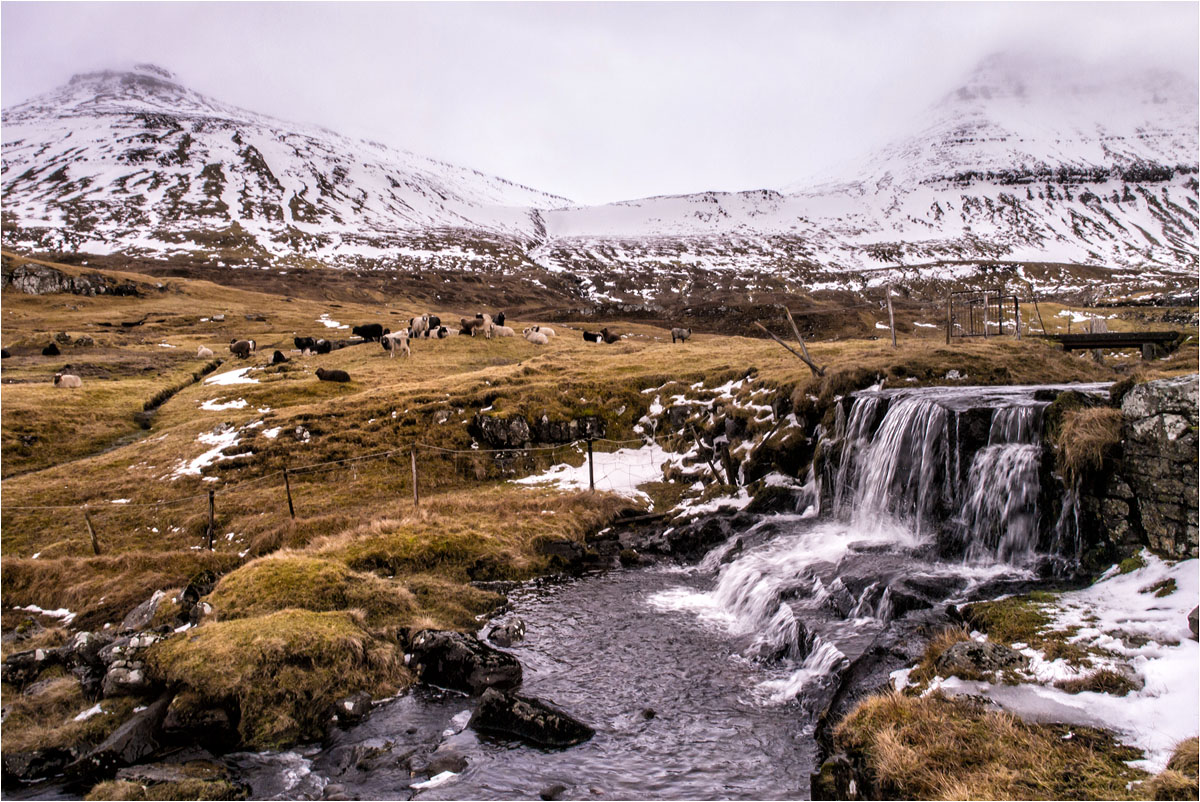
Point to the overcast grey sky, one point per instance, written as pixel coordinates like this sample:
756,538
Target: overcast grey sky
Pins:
593,101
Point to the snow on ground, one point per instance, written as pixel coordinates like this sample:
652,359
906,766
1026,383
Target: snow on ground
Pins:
618,471
216,405
91,711
1147,633
220,439
232,377
331,324
62,612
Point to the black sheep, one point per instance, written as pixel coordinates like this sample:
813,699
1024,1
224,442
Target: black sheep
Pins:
322,346
278,358
435,323
592,336
332,375
499,319
608,336
371,332
51,350
305,343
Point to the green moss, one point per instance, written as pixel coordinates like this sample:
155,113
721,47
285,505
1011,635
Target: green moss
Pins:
283,671
1131,564
1024,619
1160,589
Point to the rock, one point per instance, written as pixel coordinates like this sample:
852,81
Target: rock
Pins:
508,633
972,659
462,662
141,616
567,553
512,432
1194,623
199,612
528,719
34,765
84,341
34,279
551,792
354,708
132,742
189,719
218,318
24,667
445,760
62,338
126,679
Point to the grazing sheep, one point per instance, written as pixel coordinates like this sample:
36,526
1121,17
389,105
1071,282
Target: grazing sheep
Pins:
204,353
322,346
51,350
468,326
537,338
242,348
680,334
608,336
332,375
371,332
592,336
278,358
503,331
397,341
305,343
67,380
419,325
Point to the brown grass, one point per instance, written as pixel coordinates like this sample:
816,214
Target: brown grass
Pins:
950,748
43,716
1085,437
1105,680
924,671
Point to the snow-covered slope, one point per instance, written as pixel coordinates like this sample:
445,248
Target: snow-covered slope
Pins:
121,160
1029,161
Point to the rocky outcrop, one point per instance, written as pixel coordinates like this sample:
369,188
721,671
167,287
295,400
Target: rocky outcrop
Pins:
33,279
528,719
1149,495
515,431
132,742
462,662
974,659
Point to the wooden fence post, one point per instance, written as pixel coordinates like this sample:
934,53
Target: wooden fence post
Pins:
591,468
711,464
212,524
87,519
1017,314
727,460
949,316
985,315
891,316
288,487
416,494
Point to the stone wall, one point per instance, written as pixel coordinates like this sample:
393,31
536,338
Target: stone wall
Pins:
1149,495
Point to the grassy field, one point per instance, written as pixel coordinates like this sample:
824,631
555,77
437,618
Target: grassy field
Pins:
381,565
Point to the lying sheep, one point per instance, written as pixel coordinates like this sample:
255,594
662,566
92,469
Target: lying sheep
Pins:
549,332
592,336
67,380
503,331
278,358
443,332
536,337
322,346
51,350
332,375
305,344
204,353
242,348
608,336
396,341
680,334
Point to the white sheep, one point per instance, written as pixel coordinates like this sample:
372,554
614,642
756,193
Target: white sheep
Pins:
420,325
67,380
397,341
536,337
503,331
204,353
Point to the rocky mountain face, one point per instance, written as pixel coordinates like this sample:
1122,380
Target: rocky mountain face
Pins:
1076,182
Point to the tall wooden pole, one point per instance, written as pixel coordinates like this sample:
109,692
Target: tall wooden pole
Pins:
212,518
891,316
87,519
985,315
803,348
416,494
288,487
591,468
949,316
1017,314
712,465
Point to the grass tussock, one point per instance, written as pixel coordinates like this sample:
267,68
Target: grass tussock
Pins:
292,580
936,747
924,671
1025,619
1085,437
43,715
1105,680
181,789
1181,778
282,672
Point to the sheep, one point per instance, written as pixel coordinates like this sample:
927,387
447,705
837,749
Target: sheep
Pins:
484,323
608,336
499,319
419,325
4,354
443,332
51,350
503,331
681,334
468,326
435,324
322,346
537,338
396,341
305,343
278,358
332,375
242,348
370,332
67,380
204,353
592,336
549,332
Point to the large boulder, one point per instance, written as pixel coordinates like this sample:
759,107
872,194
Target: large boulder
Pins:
530,720
132,742
974,659
462,662
508,633
141,616
24,767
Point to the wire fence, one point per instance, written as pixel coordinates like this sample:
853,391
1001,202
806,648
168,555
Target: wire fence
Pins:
231,515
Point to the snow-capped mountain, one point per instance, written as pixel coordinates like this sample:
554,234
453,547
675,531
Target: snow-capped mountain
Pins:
132,160
1029,161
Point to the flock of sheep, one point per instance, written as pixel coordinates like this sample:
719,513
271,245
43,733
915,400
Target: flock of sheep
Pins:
426,326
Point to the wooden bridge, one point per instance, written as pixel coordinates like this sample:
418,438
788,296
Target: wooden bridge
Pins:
1151,342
